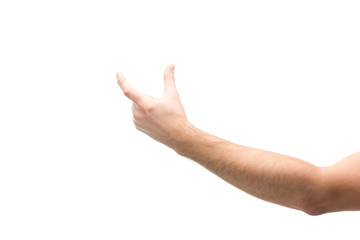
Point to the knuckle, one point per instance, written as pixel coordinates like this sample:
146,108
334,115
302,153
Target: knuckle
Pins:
139,128
127,92
137,125
149,108
137,116
134,121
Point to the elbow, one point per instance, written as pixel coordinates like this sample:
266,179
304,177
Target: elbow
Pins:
314,210
314,205
316,200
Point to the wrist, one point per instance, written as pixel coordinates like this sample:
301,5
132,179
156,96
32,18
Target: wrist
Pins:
195,144
184,138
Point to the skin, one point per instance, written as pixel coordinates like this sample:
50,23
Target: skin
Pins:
270,176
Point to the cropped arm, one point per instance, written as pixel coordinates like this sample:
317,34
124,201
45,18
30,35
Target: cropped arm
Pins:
270,176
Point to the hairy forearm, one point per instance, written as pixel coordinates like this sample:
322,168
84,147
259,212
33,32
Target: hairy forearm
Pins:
270,176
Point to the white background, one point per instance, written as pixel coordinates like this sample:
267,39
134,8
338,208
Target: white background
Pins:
277,75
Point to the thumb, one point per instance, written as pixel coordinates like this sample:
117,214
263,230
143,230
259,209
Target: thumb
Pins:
169,79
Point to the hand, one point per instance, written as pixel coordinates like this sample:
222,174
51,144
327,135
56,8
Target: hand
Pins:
163,118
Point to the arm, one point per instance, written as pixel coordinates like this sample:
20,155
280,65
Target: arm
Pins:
270,176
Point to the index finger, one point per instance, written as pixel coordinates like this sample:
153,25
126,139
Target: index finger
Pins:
127,89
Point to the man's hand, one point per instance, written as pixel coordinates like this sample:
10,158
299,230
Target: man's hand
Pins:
270,176
163,118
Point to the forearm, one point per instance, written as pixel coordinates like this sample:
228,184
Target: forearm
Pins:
267,175
270,176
